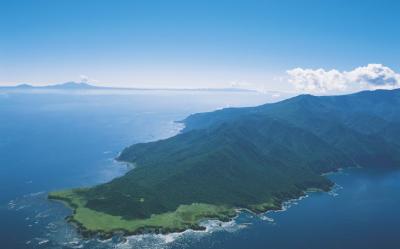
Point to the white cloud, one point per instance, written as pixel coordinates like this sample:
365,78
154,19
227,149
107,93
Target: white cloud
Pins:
375,76
84,78
372,76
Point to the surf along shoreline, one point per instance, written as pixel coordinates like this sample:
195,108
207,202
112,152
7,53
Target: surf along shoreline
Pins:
87,232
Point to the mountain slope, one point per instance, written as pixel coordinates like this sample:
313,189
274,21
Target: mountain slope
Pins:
239,164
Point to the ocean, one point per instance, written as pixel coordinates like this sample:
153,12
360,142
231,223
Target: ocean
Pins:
56,140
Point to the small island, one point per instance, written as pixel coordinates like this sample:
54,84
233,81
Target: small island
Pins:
253,159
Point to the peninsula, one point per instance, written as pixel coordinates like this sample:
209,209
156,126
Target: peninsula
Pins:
252,158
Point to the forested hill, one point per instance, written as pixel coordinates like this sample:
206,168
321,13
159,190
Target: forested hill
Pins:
256,157
364,125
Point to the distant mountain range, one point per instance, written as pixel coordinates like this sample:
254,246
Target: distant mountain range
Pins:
248,158
63,86
86,86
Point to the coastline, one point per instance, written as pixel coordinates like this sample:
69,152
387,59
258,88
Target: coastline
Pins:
277,204
86,232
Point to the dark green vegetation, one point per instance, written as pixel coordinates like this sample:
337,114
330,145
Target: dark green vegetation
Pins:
253,158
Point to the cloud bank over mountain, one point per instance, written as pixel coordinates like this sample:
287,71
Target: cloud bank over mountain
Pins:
372,76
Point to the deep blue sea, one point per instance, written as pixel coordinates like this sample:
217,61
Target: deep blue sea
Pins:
57,140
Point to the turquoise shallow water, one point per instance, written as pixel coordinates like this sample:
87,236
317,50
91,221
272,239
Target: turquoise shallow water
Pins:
55,141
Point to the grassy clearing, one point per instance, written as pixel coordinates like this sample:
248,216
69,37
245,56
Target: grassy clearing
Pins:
263,207
185,217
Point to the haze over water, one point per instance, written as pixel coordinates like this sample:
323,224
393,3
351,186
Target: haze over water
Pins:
64,140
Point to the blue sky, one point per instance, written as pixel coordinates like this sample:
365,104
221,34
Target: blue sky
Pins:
193,43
